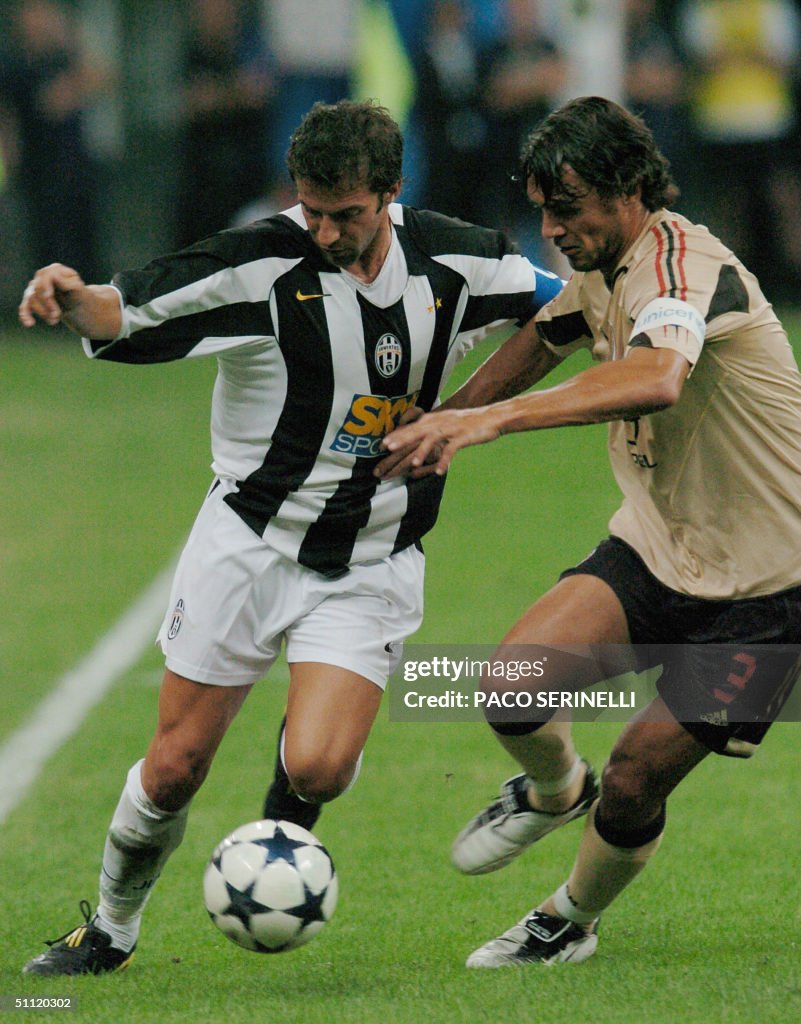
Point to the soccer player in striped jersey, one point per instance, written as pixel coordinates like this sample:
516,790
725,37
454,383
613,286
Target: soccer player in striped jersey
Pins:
698,382
329,322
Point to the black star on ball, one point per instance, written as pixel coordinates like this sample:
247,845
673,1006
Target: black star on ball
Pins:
279,846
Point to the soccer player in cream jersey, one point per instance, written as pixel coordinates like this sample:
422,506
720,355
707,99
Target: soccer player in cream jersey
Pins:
328,321
703,397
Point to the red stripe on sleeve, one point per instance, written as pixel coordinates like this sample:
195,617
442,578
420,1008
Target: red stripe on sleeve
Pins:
680,261
660,247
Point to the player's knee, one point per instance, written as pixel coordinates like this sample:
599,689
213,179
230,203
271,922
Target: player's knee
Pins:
629,790
319,779
175,776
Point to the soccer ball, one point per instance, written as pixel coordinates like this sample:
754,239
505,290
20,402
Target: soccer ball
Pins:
270,886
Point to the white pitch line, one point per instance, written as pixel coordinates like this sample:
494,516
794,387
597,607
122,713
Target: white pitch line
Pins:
25,752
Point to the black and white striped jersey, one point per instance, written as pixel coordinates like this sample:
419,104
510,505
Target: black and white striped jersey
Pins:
315,367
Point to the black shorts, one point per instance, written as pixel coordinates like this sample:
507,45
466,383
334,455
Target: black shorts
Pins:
728,666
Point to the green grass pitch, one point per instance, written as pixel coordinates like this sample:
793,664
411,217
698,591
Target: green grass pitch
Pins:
103,469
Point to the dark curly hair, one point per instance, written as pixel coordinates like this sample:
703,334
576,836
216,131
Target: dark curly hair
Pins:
609,148
347,144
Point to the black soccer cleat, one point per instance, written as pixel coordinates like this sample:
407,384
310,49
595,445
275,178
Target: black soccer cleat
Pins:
84,950
282,803
538,939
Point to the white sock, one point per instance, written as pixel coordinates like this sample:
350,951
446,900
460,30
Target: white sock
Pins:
123,936
140,839
559,785
565,906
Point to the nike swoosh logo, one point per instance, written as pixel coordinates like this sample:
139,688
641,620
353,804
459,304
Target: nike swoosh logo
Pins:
303,298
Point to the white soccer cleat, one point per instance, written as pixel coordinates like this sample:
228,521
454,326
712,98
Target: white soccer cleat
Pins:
538,939
508,826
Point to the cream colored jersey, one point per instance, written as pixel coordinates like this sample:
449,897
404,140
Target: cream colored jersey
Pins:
711,486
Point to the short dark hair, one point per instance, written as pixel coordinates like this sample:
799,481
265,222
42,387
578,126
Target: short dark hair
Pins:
610,148
346,144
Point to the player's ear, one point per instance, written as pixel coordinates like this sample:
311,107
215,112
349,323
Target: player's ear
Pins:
634,196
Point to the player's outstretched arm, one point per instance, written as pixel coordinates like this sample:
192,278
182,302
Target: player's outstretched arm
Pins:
522,361
646,381
58,294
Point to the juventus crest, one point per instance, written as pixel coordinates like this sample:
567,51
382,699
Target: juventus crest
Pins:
388,355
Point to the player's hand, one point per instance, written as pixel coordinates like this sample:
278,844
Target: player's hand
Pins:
429,444
50,294
396,458
402,457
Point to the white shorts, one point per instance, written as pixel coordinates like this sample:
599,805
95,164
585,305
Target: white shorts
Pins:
234,599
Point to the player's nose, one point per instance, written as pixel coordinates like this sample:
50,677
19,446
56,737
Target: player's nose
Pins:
328,232
551,227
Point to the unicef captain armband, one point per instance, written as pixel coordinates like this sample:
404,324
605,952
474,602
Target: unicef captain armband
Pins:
660,315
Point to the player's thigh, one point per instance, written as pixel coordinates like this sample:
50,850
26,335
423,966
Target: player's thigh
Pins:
579,609
330,711
580,627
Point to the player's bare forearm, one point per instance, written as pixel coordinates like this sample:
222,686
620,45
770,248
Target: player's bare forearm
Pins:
647,381
520,363
57,294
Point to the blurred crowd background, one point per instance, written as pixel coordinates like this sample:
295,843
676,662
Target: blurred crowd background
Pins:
131,127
